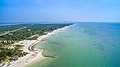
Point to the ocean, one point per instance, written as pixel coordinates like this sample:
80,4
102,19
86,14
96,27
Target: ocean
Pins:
83,45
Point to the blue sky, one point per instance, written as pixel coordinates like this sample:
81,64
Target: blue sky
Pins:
59,10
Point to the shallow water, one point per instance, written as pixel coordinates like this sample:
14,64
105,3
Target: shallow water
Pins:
83,45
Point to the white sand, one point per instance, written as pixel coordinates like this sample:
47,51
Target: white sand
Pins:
35,54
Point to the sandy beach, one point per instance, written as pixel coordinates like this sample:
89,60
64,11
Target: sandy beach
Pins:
33,53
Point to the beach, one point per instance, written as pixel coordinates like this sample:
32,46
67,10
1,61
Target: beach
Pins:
33,53
83,45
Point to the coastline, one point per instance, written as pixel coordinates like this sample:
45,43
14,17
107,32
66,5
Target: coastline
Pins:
33,53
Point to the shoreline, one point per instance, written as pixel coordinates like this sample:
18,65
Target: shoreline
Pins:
33,53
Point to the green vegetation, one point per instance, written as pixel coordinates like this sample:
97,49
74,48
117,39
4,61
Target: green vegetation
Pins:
9,51
16,33
8,28
31,29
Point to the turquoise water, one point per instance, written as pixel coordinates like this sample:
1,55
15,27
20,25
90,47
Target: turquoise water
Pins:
83,45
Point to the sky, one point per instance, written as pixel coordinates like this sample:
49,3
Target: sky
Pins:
60,10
